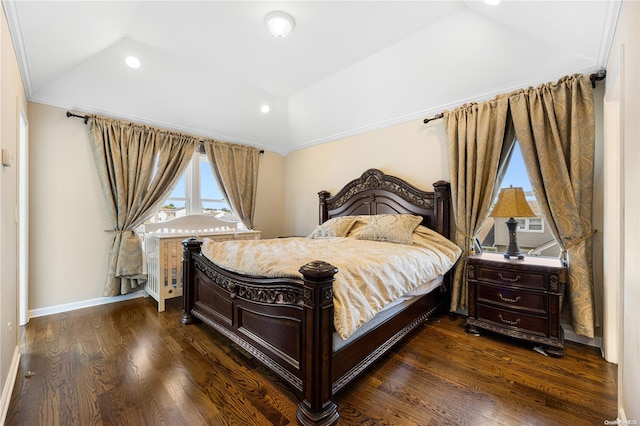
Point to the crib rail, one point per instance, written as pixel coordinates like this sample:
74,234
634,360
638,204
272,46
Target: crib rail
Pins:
164,259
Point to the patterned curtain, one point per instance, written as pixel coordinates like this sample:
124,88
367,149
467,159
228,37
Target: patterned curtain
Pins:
477,154
236,168
555,124
137,166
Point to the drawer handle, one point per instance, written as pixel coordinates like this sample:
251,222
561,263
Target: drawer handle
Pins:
509,280
506,299
507,321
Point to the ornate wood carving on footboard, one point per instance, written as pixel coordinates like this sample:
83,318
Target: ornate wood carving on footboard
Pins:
287,323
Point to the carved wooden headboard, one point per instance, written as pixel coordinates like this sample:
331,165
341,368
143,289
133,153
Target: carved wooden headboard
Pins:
377,193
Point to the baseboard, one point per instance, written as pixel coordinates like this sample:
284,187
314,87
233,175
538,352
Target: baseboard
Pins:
572,336
40,312
7,390
622,417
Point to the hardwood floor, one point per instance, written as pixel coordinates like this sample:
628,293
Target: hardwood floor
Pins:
126,364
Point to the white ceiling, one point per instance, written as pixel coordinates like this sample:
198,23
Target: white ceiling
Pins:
347,67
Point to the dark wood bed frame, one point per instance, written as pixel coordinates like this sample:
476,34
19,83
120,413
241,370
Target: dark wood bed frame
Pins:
287,324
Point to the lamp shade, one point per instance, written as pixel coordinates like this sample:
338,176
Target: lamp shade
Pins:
512,203
279,23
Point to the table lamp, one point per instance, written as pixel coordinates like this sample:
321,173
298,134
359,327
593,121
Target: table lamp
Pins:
512,203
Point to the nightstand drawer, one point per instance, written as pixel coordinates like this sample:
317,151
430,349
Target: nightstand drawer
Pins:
513,298
512,277
532,324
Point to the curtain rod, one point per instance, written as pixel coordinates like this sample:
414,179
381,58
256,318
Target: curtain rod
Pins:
435,117
84,117
86,120
600,75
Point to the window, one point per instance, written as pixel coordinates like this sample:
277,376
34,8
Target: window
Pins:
534,224
196,192
533,236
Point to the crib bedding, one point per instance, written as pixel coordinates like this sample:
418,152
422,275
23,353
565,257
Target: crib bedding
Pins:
372,274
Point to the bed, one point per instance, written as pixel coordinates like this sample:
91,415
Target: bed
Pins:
287,323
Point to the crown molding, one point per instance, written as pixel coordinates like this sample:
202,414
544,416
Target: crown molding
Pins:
608,32
420,115
15,29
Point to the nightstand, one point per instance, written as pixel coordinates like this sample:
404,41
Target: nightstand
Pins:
517,298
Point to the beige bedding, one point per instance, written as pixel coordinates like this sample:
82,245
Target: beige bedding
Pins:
371,274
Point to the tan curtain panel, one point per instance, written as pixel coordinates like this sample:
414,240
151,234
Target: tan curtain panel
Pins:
555,124
236,168
475,134
137,165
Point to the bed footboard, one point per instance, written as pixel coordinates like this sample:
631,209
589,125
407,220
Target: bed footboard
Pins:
286,324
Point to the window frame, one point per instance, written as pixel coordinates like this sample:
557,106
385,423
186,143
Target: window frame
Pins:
524,224
193,200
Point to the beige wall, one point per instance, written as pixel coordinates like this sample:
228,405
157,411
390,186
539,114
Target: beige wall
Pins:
68,214
12,99
412,151
68,245
269,215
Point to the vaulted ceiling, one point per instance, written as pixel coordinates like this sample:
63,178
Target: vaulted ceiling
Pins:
207,67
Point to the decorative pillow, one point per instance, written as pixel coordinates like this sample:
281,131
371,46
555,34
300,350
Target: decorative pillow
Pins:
358,226
336,227
395,228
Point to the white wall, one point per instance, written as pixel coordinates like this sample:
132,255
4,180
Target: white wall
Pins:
12,98
69,247
623,98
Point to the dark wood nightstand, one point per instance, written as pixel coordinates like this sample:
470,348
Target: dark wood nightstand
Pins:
517,298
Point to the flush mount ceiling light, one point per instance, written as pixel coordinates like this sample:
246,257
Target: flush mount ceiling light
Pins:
265,109
279,23
132,62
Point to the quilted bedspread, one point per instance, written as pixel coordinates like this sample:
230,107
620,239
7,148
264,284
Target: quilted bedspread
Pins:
371,274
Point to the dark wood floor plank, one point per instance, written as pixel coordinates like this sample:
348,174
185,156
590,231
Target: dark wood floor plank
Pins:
126,364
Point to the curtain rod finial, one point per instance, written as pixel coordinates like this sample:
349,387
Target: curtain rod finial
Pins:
435,117
85,117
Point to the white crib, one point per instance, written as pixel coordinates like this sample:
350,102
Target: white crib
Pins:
163,250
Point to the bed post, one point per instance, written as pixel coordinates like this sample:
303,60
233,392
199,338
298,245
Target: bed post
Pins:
322,198
317,408
191,246
442,207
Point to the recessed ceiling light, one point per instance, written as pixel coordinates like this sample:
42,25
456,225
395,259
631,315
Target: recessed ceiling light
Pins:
492,2
279,24
265,109
132,62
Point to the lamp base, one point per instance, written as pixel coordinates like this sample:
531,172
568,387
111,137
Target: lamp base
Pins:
518,256
513,250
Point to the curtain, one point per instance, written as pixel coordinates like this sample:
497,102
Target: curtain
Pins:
236,168
555,124
137,166
475,134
